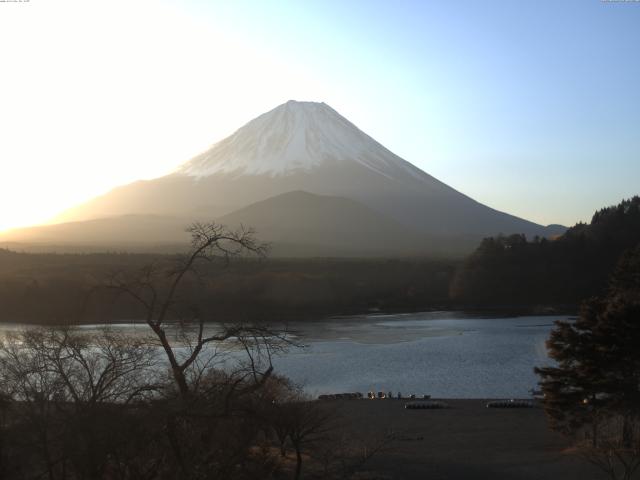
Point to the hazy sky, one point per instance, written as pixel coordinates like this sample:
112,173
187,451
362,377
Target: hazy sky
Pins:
529,107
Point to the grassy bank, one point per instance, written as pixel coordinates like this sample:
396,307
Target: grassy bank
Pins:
464,441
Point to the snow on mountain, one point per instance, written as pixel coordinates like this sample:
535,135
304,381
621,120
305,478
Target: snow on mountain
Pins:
294,137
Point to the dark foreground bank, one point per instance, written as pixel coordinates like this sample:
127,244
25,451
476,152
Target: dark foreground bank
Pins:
465,441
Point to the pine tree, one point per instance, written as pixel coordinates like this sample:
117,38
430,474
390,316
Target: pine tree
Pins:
594,390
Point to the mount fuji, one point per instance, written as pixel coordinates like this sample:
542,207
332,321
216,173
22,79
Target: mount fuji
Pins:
323,185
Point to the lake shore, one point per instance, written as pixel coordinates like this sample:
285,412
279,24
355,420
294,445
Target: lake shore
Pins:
297,316
465,441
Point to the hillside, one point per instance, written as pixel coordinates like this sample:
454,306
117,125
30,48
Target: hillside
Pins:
509,270
300,222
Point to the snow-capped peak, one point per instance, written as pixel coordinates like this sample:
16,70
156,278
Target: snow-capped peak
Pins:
292,137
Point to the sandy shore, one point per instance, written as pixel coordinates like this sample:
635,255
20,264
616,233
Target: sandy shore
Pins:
465,441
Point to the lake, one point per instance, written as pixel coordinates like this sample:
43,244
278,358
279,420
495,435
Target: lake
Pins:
443,354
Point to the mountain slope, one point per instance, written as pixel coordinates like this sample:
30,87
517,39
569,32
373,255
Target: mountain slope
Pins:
121,230
323,225
295,223
306,146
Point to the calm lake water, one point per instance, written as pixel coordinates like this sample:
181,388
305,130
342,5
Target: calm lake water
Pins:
443,354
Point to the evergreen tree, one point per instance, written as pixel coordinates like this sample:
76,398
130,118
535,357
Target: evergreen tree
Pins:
597,377
560,272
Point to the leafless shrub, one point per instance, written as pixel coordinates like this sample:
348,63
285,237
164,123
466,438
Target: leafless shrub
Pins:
616,450
72,399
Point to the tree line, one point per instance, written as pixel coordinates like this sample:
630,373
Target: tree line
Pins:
61,288
513,270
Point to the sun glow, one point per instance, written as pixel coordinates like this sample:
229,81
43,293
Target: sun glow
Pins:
96,94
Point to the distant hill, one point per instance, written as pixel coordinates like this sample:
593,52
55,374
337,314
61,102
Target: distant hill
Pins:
299,222
509,270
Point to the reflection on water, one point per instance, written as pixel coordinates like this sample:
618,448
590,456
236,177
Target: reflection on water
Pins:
444,354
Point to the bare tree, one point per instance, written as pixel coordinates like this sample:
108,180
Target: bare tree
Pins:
69,393
218,368
304,422
87,406
321,439
156,290
82,369
310,426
